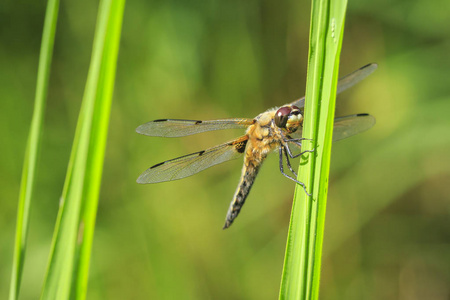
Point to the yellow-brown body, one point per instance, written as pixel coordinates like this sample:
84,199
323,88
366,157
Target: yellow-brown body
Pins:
274,129
263,137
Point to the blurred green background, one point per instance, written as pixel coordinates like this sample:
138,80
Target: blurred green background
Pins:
387,231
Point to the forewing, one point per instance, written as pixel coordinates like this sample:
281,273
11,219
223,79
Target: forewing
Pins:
347,126
353,78
177,128
193,163
346,82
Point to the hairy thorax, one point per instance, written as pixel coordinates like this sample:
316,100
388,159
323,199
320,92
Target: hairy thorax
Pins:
264,136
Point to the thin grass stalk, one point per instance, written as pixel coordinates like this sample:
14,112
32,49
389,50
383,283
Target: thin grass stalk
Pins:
301,272
33,146
68,267
98,141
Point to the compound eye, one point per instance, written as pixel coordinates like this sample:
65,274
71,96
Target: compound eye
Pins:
282,116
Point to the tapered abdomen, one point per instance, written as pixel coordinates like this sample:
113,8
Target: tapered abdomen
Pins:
248,176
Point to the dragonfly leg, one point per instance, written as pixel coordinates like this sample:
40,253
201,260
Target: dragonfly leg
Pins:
296,155
296,141
288,162
290,177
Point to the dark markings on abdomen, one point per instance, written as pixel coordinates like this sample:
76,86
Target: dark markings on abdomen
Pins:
244,187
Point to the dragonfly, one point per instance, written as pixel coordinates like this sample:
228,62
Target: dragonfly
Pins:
277,129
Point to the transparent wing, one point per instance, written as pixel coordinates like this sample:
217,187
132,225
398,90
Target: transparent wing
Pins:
177,128
346,82
353,78
347,126
193,163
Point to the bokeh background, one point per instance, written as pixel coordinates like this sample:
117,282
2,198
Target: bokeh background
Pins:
387,231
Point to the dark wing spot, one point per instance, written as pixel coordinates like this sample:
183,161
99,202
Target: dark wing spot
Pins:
160,120
157,165
362,115
201,153
240,147
198,122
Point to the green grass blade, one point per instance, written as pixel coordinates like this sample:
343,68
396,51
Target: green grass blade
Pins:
68,267
33,145
301,272
97,150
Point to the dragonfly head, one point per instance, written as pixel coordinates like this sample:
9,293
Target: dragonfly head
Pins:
288,117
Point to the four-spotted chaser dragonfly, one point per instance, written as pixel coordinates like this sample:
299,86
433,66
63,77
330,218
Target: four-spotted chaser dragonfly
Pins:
276,129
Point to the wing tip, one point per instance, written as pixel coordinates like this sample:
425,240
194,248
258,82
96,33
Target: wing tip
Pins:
140,180
367,116
145,129
144,178
373,66
139,129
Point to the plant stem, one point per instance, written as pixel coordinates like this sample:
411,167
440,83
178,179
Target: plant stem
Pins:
301,272
33,146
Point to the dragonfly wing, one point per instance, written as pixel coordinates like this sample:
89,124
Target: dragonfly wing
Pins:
345,127
300,103
177,128
348,126
193,163
346,82
353,78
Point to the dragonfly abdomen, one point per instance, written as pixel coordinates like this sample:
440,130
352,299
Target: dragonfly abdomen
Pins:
249,172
